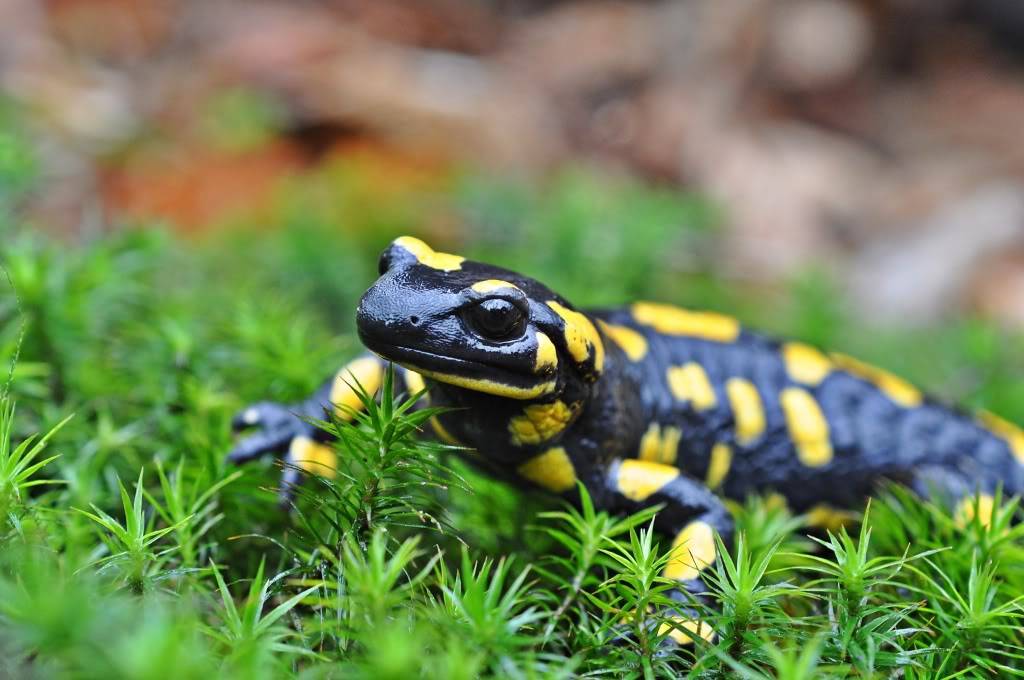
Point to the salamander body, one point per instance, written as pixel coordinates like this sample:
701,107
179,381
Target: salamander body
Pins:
648,404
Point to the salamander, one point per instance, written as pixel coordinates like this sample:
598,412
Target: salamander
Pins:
647,404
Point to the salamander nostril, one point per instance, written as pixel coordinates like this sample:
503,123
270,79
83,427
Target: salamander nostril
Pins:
414,320
384,263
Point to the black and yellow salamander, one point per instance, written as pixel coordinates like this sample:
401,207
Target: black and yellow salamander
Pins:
649,404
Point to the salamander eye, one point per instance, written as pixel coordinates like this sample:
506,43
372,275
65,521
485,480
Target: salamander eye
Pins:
384,263
496,319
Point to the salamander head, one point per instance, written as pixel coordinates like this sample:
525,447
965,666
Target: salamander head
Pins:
475,326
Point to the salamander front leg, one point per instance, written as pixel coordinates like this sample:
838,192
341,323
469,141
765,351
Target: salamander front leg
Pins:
690,518
281,429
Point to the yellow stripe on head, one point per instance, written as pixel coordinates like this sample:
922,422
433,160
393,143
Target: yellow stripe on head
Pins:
675,321
581,338
429,257
630,341
638,480
690,383
747,409
805,364
552,470
313,457
365,371
807,427
718,467
541,422
894,387
660,444
1007,431
491,285
692,550
547,356
489,386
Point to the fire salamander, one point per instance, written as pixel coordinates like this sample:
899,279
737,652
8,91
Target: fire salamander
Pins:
648,404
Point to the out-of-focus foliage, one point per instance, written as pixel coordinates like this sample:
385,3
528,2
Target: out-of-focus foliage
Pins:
833,132
128,548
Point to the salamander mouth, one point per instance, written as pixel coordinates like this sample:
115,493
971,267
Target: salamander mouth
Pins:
418,358
473,375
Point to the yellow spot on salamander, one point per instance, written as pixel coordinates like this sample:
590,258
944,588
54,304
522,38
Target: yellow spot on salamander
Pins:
660,445
429,257
638,480
692,550
690,383
490,285
581,337
825,516
541,422
807,427
805,364
442,432
552,470
414,382
313,457
365,371
747,409
675,321
488,386
983,507
685,630
547,356
630,341
894,387
718,467
1007,431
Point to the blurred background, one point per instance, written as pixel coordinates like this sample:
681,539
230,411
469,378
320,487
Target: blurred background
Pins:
880,140
850,172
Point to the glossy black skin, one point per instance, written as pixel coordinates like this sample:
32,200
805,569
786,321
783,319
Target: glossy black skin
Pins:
415,314
873,437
